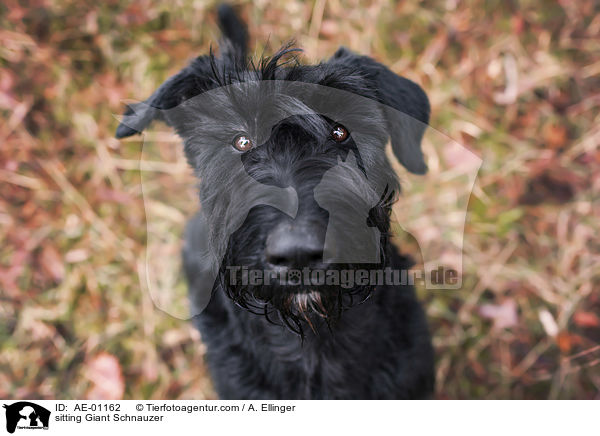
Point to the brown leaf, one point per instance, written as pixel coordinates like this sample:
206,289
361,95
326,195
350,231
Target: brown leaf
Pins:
555,135
52,263
104,371
547,187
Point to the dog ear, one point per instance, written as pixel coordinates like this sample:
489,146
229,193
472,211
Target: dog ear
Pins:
407,107
188,83
234,43
139,115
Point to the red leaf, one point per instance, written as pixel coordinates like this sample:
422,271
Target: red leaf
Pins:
586,319
566,341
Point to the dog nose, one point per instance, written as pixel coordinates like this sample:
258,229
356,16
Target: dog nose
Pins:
294,246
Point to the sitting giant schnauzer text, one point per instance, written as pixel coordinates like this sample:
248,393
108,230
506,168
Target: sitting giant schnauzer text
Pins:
296,194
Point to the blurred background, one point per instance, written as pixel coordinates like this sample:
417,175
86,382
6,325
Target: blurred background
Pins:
516,82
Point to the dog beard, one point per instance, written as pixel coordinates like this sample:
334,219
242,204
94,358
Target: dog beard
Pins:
297,306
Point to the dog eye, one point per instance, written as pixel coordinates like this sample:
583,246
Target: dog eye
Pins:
242,143
339,133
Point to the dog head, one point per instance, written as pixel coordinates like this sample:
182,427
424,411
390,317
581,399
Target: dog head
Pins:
291,157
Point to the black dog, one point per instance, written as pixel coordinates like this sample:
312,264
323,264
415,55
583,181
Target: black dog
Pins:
295,181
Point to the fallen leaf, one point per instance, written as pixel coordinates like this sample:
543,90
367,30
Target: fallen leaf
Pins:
52,263
586,319
76,255
566,341
547,188
555,135
329,29
104,371
503,315
548,322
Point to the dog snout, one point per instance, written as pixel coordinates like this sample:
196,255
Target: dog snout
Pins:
294,246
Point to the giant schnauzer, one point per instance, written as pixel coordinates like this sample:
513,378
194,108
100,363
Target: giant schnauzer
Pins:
296,194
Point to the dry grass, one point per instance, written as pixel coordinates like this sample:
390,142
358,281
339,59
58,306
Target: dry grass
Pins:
518,84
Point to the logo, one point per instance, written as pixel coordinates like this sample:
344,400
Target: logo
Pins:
26,415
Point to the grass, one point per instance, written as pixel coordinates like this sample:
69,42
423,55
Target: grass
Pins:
514,82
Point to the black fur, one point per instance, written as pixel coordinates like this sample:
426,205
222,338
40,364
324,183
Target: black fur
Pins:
277,340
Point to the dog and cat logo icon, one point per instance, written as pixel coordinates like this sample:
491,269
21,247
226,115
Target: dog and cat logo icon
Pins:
26,415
